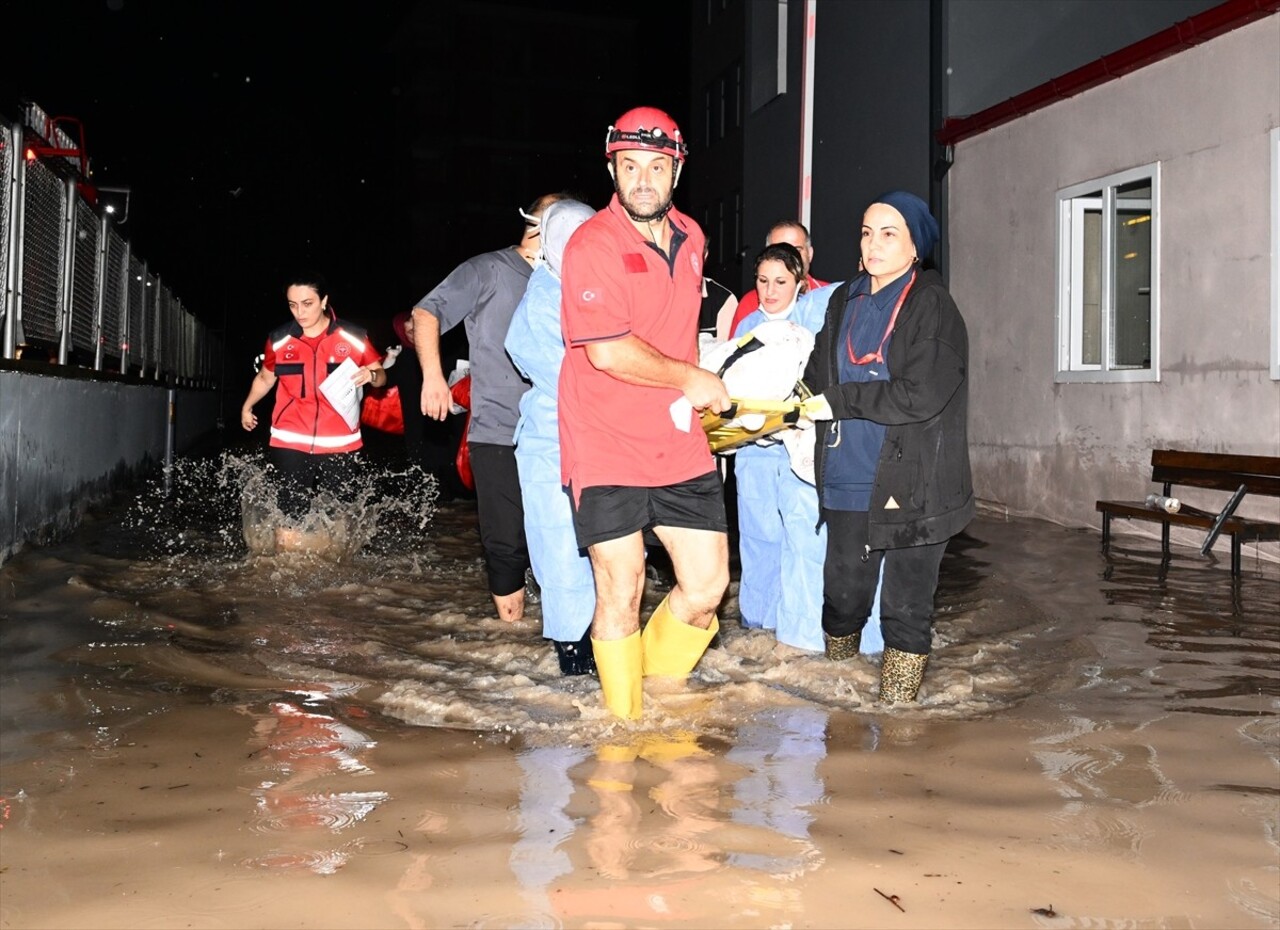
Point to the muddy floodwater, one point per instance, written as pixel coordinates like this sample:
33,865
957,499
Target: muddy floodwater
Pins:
194,734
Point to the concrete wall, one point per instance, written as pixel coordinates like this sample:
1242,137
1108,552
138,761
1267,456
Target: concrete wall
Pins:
871,120
68,442
1051,450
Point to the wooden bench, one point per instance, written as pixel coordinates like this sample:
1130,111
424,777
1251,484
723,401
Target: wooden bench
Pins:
1256,474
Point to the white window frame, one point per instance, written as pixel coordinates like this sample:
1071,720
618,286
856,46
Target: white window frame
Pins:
1275,253
1070,203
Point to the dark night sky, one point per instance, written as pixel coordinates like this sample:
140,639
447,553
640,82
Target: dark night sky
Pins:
254,136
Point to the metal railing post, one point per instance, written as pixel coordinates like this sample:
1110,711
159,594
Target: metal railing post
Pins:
158,341
124,311
143,354
13,276
99,292
67,272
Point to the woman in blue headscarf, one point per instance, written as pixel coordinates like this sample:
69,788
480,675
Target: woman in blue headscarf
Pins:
892,464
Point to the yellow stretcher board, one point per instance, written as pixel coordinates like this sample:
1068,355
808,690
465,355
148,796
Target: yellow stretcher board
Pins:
725,431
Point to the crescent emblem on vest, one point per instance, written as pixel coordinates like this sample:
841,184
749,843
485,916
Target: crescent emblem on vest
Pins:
588,296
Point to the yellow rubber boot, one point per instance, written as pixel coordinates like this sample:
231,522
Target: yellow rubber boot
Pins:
671,647
620,663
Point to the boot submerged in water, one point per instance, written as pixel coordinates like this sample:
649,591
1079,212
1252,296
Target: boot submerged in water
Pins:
620,663
672,647
901,675
576,658
839,648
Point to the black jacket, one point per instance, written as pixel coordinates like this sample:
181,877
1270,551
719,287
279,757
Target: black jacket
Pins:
924,462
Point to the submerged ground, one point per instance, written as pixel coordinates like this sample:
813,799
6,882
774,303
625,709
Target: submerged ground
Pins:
195,736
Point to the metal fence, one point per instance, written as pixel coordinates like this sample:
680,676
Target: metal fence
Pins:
74,292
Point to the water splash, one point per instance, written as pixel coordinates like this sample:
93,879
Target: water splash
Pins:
227,507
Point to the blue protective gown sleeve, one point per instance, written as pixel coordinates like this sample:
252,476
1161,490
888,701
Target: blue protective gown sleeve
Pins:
780,551
536,346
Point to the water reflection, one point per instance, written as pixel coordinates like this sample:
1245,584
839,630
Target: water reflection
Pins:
651,811
1211,639
780,751
762,792
539,856
306,757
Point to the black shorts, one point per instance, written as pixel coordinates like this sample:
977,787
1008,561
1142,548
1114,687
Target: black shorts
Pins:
608,512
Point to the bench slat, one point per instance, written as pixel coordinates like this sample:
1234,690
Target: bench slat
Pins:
1216,480
1218,461
1260,474
1138,510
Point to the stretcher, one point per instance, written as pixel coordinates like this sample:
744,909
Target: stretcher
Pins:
786,346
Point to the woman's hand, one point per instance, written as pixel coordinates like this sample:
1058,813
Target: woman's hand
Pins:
247,419
816,408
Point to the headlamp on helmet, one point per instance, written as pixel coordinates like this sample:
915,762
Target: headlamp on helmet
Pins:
646,128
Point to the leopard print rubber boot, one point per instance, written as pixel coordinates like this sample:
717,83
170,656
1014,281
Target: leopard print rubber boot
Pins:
900,676
840,648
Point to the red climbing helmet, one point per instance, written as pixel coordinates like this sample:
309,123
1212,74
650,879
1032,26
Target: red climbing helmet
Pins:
646,128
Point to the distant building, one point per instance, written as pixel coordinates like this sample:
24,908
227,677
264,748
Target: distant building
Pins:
863,92
1031,128
480,143
1116,255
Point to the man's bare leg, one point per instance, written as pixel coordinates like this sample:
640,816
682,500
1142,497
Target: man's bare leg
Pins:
682,626
700,559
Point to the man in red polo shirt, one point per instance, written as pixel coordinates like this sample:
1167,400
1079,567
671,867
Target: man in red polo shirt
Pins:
792,232
633,454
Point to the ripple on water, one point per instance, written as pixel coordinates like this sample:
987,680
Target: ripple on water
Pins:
288,812
533,920
320,861
374,846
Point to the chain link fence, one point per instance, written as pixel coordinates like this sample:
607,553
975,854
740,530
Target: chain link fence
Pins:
74,292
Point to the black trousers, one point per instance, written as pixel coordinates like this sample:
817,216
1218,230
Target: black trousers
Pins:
850,576
302,474
501,511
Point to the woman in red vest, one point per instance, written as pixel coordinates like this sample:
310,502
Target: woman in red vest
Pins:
315,426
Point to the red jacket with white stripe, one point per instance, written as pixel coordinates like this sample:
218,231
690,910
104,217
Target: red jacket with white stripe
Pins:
303,418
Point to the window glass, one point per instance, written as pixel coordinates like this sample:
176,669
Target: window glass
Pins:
1107,309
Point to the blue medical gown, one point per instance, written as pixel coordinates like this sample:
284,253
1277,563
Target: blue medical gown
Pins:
781,552
535,344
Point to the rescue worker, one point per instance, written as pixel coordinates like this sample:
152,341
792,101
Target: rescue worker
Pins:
483,293
536,345
790,232
312,443
781,546
633,454
892,470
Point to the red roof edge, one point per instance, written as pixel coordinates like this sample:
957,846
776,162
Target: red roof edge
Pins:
1182,35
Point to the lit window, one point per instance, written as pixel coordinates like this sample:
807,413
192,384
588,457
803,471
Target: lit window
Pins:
1108,278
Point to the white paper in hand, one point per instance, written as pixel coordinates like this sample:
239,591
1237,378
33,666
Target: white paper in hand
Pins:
342,392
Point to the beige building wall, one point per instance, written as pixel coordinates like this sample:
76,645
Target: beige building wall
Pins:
1051,450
